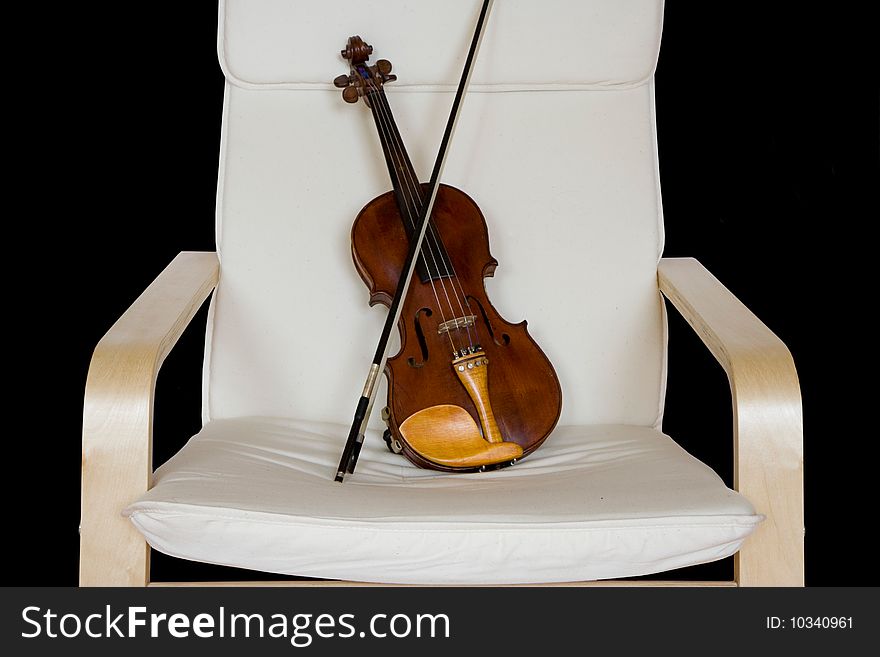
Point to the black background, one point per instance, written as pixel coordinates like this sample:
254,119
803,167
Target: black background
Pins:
767,120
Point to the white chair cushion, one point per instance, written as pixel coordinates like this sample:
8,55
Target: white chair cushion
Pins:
594,502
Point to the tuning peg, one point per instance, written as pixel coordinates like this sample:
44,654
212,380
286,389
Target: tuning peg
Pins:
347,51
350,94
383,66
342,81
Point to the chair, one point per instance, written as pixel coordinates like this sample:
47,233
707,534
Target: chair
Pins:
556,143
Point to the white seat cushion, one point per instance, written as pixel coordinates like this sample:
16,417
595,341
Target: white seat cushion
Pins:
594,502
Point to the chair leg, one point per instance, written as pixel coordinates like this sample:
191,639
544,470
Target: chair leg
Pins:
115,555
767,419
769,472
116,469
118,418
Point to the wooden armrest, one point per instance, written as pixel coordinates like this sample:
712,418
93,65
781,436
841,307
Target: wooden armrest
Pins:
118,417
767,418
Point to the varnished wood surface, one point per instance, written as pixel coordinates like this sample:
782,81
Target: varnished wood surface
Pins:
523,388
118,418
447,435
767,419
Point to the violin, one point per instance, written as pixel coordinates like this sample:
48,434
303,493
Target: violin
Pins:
468,390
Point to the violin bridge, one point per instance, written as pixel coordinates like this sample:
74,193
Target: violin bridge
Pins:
457,323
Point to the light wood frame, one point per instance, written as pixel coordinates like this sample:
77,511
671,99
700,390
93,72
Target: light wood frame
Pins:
117,424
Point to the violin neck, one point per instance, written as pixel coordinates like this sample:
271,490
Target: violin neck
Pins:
400,168
407,189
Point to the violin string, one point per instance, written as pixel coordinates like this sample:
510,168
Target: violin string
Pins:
415,197
441,247
434,235
411,204
381,122
403,169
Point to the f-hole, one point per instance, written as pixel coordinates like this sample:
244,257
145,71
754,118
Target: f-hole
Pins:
505,339
420,336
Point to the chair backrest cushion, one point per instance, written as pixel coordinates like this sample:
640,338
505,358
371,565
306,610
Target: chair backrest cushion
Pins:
555,143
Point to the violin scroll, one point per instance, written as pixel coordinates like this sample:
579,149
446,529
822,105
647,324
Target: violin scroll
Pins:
363,78
357,50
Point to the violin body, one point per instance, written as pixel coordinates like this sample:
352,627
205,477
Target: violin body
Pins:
519,385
